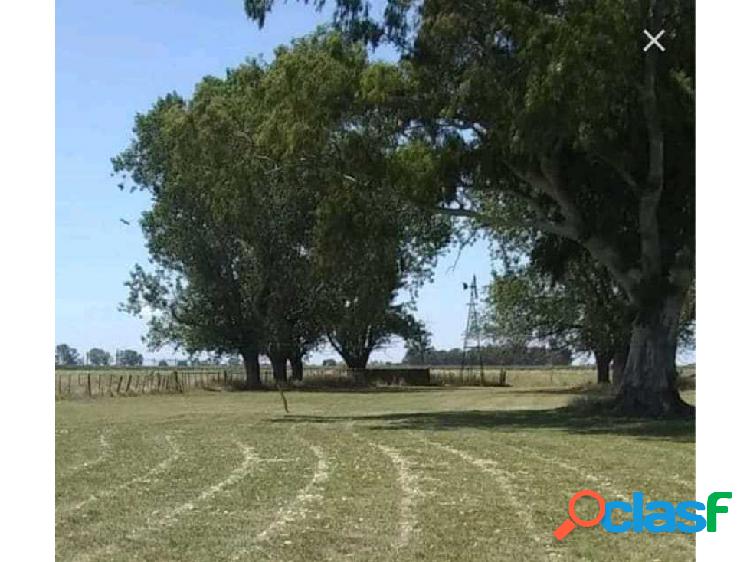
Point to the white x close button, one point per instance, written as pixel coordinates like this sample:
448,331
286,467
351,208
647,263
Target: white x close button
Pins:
654,40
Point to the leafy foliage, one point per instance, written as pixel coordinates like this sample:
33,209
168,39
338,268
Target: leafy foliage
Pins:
66,355
582,309
99,357
505,355
559,124
274,220
129,358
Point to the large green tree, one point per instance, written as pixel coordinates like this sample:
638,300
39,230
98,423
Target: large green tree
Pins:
99,357
326,119
66,355
207,287
269,226
129,358
567,127
580,308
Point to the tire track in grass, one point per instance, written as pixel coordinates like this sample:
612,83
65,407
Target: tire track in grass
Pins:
504,478
299,506
105,450
143,479
246,547
607,453
408,481
605,485
671,477
249,459
171,516
681,482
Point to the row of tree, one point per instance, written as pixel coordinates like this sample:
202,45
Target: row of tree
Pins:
561,130
275,222
562,298
292,201
509,354
66,355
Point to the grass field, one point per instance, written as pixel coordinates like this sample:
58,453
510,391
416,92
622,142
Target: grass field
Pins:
403,474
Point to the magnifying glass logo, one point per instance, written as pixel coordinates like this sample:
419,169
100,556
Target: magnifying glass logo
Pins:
569,524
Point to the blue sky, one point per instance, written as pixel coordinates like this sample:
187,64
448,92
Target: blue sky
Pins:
113,59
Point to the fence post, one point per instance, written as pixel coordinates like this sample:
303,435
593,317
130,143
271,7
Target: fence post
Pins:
127,386
119,384
88,384
70,378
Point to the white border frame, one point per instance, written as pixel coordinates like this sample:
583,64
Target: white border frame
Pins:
27,230
723,385
27,291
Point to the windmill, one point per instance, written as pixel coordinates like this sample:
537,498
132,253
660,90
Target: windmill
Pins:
472,335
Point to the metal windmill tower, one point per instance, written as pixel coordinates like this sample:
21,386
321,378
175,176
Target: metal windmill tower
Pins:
472,335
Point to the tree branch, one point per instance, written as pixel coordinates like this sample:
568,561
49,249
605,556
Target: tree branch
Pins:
619,167
489,222
651,197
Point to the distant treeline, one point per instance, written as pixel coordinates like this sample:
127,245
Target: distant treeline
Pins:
491,355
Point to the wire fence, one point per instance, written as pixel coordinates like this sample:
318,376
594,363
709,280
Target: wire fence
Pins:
136,381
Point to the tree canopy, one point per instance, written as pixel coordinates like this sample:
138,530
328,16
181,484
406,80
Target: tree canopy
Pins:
66,355
99,357
129,358
561,125
296,200
508,354
274,222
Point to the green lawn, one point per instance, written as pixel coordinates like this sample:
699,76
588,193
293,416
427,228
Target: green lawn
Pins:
419,474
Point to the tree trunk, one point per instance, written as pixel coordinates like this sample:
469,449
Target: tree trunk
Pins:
603,359
648,386
619,360
356,361
252,368
297,367
278,366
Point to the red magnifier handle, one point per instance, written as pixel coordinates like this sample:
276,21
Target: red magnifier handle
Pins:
562,531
